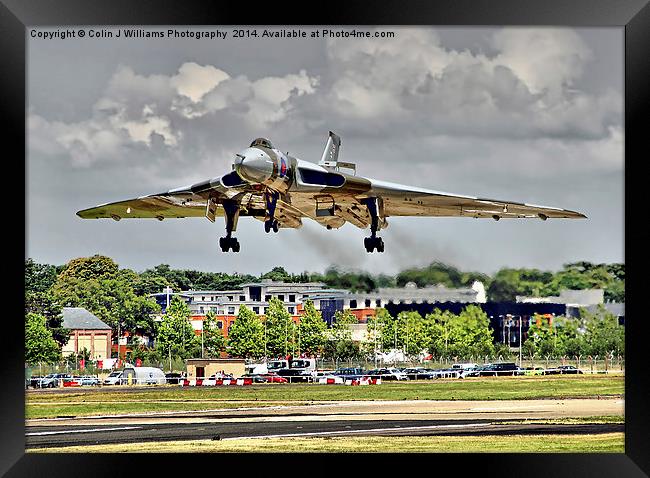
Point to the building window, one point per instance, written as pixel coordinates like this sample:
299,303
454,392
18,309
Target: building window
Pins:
231,310
281,297
292,298
242,298
267,298
220,324
230,298
291,310
378,303
256,310
203,299
367,302
353,304
201,309
266,309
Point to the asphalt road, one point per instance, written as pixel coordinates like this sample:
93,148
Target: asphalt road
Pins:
73,434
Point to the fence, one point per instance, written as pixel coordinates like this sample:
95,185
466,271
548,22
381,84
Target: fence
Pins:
588,364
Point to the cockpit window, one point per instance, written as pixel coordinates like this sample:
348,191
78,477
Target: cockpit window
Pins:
265,143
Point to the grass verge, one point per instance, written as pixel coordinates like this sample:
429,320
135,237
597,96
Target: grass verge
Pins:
42,404
599,443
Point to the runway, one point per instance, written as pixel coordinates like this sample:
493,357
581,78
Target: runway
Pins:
363,418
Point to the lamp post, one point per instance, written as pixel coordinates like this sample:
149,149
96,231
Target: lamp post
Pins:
520,318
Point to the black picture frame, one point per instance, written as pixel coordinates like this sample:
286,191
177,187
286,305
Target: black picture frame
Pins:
632,15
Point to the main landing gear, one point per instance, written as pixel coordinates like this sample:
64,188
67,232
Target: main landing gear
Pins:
231,209
373,242
271,198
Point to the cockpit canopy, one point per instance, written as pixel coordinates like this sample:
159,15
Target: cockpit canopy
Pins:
263,142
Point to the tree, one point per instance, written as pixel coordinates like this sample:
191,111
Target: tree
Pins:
44,304
39,278
340,345
311,330
213,340
603,335
279,329
246,336
40,346
464,335
175,335
97,284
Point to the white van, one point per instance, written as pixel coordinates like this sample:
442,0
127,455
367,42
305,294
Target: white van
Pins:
136,376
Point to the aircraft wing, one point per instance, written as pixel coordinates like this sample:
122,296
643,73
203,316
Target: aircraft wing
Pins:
400,200
186,201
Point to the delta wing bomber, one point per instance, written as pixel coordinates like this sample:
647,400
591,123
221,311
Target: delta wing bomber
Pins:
281,190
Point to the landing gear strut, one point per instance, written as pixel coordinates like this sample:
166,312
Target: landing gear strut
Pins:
271,201
231,209
373,242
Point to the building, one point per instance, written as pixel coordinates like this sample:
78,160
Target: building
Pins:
256,296
204,368
86,331
574,300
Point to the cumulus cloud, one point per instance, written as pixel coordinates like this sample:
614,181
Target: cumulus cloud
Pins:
138,110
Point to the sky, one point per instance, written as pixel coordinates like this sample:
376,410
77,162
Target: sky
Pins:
520,114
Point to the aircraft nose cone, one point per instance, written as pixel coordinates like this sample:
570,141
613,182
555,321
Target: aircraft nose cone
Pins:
254,166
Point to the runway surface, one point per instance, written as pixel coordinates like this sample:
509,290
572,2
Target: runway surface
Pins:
360,418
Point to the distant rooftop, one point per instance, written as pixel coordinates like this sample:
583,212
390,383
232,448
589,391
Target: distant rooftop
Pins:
79,318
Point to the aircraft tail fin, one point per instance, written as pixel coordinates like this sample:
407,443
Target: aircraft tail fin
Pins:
330,157
331,154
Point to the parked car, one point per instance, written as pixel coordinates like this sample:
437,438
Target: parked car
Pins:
387,374
533,371
499,369
87,380
174,377
114,378
569,369
294,374
350,373
52,380
256,377
419,373
212,379
272,377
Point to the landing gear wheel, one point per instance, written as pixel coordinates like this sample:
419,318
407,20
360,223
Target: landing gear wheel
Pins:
372,243
227,243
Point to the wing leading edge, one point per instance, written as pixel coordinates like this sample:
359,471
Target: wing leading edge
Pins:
400,200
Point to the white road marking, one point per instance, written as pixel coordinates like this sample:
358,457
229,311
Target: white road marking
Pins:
90,430
338,432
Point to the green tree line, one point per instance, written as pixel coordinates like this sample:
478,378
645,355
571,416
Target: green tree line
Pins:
120,298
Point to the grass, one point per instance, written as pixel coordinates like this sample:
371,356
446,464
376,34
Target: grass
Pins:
79,403
598,443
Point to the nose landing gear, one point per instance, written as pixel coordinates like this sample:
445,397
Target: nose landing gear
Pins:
231,209
373,242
